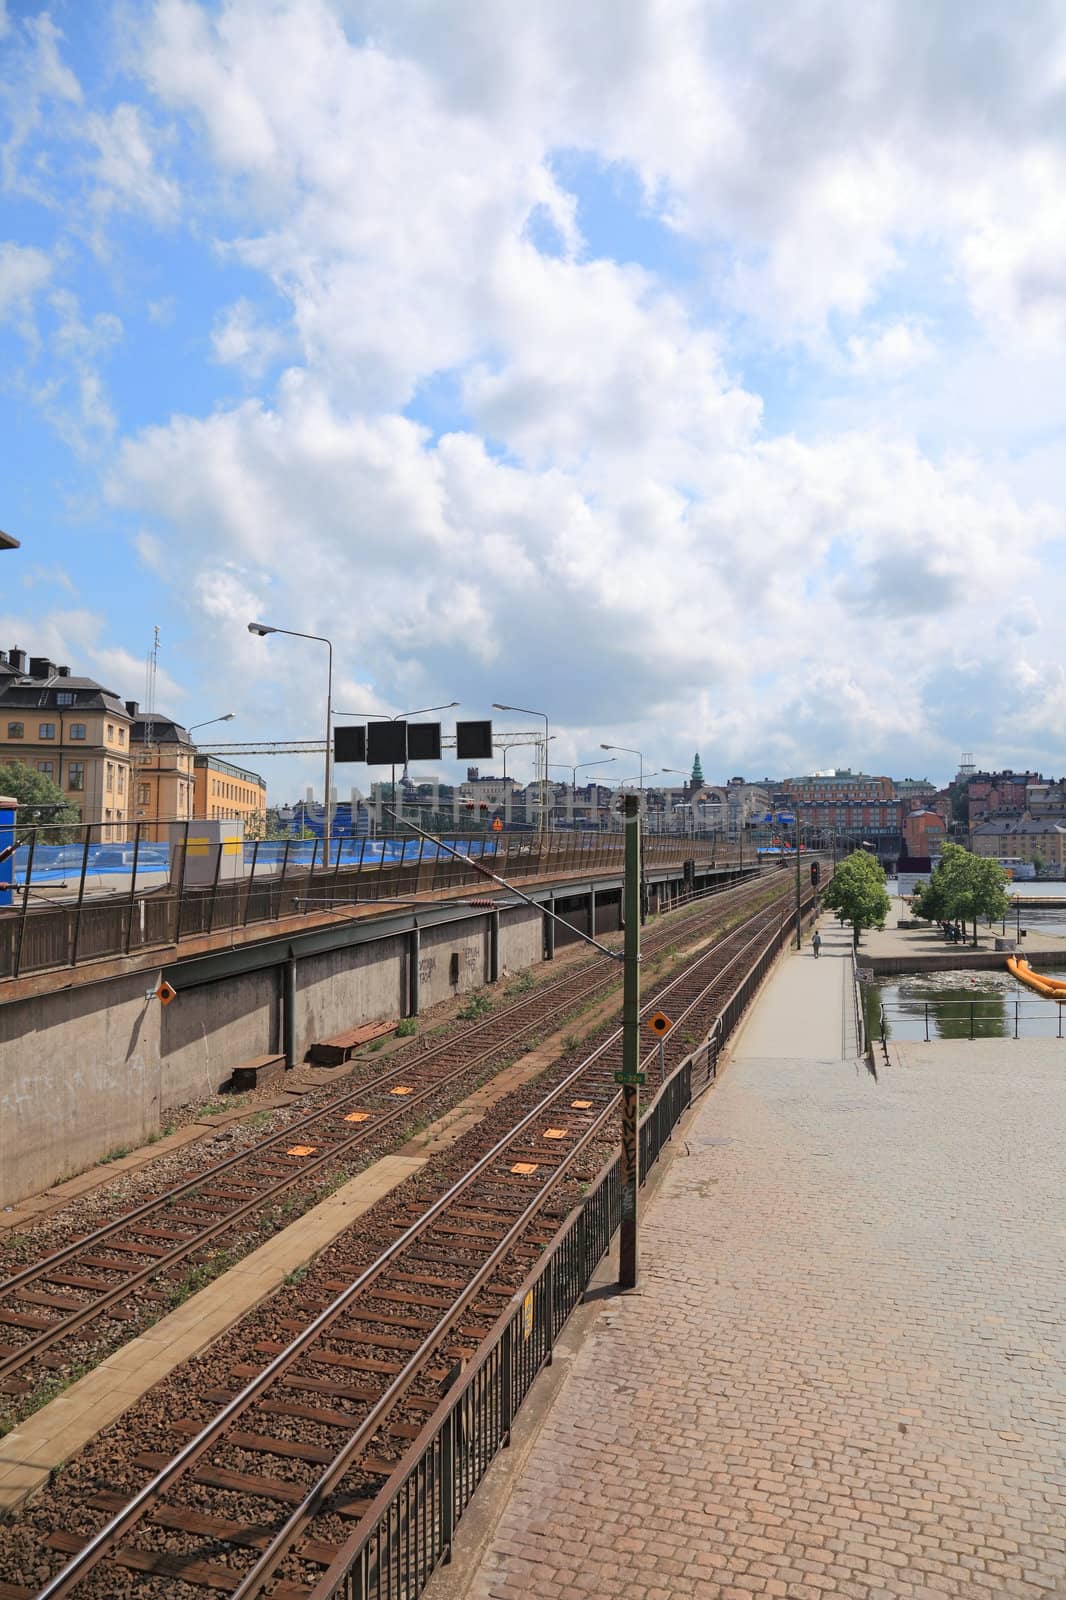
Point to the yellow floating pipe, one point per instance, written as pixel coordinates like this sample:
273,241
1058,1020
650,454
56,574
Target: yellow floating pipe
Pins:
1045,977
1025,974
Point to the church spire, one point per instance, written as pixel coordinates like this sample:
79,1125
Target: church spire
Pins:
697,772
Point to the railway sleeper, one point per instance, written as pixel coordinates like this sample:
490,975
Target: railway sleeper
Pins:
170,1564
337,1391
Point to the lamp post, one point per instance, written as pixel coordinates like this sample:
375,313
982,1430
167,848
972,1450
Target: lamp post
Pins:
640,757
574,768
262,629
526,712
227,716
399,716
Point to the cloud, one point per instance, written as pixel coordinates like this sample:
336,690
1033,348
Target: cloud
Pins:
124,168
24,271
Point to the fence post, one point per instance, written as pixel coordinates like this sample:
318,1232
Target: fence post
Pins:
81,895
447,1485
927,1022
250,886
25,902
1016,1018
971,1019
133,884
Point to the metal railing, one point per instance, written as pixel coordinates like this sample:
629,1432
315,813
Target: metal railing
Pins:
409,1528
975,1019
99,898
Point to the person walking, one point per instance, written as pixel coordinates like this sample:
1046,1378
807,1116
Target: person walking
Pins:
816,943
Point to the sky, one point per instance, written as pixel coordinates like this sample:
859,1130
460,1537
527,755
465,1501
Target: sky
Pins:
689,370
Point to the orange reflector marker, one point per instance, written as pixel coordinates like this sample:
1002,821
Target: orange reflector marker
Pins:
555,1133
402,1088
302,1150
358,1116
525,1167
581,1105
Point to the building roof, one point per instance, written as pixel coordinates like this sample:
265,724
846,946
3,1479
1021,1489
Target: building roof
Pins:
1021,825
153,727
213,764
36,694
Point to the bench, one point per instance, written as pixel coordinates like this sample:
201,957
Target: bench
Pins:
334,1052
259,1070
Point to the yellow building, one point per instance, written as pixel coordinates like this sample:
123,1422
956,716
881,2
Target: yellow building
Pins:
163,782
224,792
1022,837
72,730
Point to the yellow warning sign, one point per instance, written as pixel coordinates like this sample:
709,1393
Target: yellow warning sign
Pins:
165,994
524,1168
527,1315
302,1150
581,1105
402,1088
659,1024
358,1116
555,1133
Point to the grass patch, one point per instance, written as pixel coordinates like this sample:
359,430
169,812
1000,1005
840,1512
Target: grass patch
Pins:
296,1276
259,1119
198,1277
407,1027
48,1389
479,1005
163,1133
521,985
116,1154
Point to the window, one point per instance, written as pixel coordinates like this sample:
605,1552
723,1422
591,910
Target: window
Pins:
111,733
46,730
64,698
122,737
110,783
76,775
15,730
122,780
143,794
77,730
45,767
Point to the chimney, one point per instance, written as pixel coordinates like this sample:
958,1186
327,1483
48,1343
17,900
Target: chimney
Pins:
17,658
63,672
41,667
132,708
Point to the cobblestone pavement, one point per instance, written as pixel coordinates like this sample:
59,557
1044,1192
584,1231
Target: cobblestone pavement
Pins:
843,1374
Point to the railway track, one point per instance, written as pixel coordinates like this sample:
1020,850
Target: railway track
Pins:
95,1280
266,1497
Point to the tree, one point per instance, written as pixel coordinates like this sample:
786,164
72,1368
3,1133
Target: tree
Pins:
857,892
963,888
41,803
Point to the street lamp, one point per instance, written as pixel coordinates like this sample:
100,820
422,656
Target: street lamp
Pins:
262,629
526,712
227,716
574,768
676,772
629,752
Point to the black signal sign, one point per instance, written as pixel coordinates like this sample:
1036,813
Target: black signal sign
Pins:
659,1024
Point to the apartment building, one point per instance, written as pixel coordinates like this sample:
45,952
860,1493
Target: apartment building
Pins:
163,781
224,792
72,730
1024,838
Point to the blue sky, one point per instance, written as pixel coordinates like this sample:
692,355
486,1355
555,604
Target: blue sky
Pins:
620,361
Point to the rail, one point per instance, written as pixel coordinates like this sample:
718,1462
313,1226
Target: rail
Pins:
201,889
409,1529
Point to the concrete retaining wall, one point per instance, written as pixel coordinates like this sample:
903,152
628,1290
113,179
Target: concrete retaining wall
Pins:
79,1077
91,1069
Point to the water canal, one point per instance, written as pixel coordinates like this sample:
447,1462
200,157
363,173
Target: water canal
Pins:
962,1005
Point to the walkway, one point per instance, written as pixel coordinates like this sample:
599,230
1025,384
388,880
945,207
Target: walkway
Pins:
842,1375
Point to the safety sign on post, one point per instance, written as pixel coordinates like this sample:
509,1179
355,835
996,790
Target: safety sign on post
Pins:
659,1024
